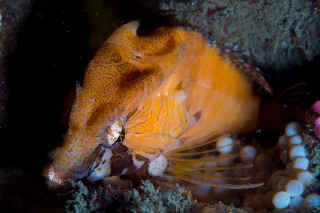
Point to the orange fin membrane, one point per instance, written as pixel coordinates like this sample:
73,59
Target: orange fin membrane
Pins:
202,163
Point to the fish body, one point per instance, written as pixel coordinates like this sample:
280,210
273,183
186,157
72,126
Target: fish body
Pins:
143,97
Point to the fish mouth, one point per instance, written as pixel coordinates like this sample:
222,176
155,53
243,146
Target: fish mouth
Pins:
111,157
57,179
103,162
95,166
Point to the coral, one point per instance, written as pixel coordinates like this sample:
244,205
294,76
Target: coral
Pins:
313,117
83,199
147,198
153,200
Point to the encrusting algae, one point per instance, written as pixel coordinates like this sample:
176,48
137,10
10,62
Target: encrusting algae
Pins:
154,103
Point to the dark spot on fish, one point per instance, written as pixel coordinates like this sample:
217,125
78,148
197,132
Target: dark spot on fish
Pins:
141,158
178,86
121,159
197,115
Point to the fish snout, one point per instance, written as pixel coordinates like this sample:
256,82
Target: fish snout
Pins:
56,178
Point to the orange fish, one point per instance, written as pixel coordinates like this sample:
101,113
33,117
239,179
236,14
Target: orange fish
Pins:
149,102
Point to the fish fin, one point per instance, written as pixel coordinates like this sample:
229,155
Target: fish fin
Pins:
218,185
253,74
255,77
202,163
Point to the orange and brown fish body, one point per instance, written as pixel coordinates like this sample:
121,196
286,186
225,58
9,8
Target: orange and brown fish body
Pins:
205,94
161,91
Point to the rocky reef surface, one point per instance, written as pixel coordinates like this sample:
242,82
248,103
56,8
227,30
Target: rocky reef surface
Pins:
269,34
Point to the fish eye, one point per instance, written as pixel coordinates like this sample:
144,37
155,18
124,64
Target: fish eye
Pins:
115,134
121,136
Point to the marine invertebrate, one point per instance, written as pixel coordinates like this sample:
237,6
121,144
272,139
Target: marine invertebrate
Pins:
292,183
313,117
159,99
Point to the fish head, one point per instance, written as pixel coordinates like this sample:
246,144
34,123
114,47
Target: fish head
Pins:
85,150
125,71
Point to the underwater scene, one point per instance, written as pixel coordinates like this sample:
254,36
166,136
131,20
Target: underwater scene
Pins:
140,106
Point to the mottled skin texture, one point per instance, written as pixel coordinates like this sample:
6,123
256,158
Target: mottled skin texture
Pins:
168,88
